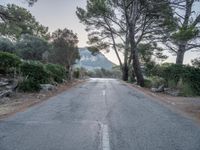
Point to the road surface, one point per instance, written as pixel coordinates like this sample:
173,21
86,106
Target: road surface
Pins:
101,114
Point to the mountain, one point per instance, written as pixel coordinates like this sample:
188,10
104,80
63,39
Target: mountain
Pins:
91,62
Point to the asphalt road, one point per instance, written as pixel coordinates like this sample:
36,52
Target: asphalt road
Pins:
101,114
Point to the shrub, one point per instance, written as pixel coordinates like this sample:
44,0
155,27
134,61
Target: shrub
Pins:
191,75
157,81
76,73
8,62
186,89
57,72
35,70
6,45
29,85
147,83
31,47
172,73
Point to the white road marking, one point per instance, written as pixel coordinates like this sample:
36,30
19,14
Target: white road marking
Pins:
104,92
105,138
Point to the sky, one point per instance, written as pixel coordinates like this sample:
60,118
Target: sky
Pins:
62,14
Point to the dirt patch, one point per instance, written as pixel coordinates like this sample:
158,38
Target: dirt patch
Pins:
189,105
21,101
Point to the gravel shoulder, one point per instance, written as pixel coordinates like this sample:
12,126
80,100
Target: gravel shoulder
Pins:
22,101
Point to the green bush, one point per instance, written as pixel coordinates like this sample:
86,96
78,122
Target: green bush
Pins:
76,73
172,84
8,62
147,83
35,70
157,81
29,85
191,76
173,73
57,72
186,89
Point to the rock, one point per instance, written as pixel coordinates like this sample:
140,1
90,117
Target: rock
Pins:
153,89
6,93
167,89
4,100
9,87
15,85
2,83
47,87
159,89
40,96
173,92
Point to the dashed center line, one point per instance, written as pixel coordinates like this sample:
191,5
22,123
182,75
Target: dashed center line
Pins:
104,92
105,138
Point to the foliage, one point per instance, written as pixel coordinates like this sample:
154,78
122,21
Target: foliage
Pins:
29,85
36,73
18,21
57,72
31,47
106,30
65,51
6,45
150,68
93,50
147,83
185,34
148,51
196,62
76,73
31,2
173,73
8,62
186,90
157,81
35,70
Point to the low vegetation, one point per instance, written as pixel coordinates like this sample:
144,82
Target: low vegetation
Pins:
183,77
57,73
9,63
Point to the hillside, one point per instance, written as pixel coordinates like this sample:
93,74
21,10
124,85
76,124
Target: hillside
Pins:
91,62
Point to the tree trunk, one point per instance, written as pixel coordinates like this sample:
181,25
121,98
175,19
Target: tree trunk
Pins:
137,70
114,43
125,69
125,72
131,18
135,57
180,54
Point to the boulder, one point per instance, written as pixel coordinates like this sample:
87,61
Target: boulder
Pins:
173,92
153,89
47,87
159,89
6,93
2,83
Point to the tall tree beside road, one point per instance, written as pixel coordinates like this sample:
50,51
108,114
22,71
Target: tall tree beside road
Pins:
145,23
185,37
106,29
65,48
